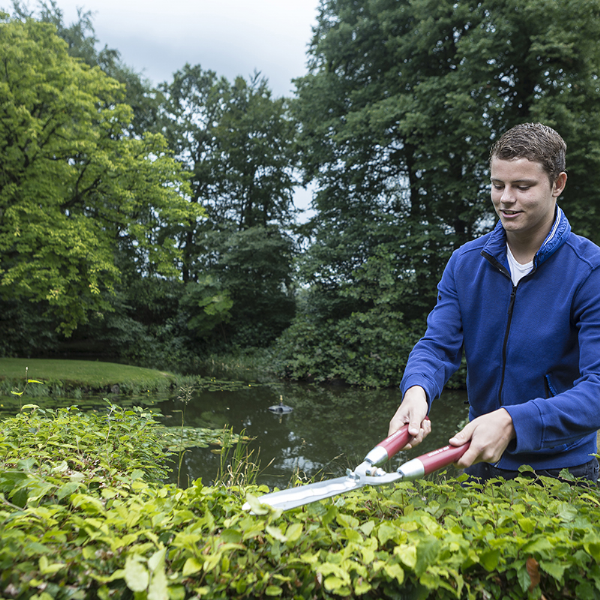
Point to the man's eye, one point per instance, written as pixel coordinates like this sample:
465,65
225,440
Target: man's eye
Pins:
524,188
497,186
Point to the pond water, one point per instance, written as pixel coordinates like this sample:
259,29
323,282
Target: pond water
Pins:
329,429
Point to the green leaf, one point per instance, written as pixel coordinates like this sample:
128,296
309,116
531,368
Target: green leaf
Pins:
593,549
176,592
333,584
294,532
137,577
362,587
567,512
158,582
157,560
231,536
395,571
273,590
255,505
276,533
427,553
538,544
191,567
49,569
67,489
386,532
407,554
554,569
527,525
490,559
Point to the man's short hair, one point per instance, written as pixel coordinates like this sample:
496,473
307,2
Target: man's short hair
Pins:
535,142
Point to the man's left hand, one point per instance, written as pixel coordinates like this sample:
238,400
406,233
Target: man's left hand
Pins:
489,436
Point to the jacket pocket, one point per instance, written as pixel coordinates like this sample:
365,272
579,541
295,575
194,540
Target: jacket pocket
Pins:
551,390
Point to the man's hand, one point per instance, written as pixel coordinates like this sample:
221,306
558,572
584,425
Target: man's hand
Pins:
489,436
413,411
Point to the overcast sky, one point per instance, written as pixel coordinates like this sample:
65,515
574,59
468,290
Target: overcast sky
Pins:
231,37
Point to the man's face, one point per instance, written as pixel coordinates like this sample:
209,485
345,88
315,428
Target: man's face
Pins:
523,197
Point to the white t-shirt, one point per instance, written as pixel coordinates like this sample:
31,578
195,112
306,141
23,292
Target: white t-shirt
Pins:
517,270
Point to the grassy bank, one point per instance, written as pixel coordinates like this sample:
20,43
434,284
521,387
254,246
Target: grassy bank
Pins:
87,375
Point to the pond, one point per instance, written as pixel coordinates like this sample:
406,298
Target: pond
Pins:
329,429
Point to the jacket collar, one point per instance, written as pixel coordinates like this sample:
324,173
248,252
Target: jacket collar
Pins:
496,243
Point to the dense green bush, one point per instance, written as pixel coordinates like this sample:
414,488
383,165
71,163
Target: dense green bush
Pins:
95,448
64,535
365,349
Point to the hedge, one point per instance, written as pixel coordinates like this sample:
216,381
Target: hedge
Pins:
75,529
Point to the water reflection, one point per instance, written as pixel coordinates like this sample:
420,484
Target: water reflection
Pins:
329,430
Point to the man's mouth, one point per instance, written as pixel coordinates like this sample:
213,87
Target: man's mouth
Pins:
510,212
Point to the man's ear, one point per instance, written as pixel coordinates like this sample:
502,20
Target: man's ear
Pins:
559,185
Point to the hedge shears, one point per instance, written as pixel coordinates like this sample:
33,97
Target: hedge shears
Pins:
367,473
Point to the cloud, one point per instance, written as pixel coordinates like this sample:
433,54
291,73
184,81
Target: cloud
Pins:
231,37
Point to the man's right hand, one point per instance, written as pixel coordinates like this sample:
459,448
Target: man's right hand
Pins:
413,411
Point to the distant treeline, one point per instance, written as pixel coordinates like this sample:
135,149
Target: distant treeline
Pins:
156,225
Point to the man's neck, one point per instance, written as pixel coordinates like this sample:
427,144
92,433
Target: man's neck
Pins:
524,245
523,252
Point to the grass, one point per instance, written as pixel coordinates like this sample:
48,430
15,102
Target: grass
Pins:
90,375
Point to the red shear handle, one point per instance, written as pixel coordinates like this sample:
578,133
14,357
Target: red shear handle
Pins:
438,459
396,441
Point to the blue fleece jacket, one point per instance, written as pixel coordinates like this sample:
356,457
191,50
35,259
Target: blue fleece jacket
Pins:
533,349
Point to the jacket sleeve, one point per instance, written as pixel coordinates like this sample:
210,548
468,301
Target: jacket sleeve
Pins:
545,423
437,355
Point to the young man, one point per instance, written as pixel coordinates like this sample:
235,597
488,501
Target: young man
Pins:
523,302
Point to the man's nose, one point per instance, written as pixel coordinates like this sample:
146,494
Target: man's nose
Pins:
508,196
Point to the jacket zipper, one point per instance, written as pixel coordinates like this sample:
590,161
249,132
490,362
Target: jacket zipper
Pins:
511,306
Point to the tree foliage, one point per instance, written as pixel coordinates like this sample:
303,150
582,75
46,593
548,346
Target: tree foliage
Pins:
82,43
74,186
237,143
400,106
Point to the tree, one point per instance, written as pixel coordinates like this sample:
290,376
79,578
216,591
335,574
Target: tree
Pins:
398,111
75,187
254,158
238,144
82,43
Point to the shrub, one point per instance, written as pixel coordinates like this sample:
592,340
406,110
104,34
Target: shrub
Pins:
66,537
99,446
